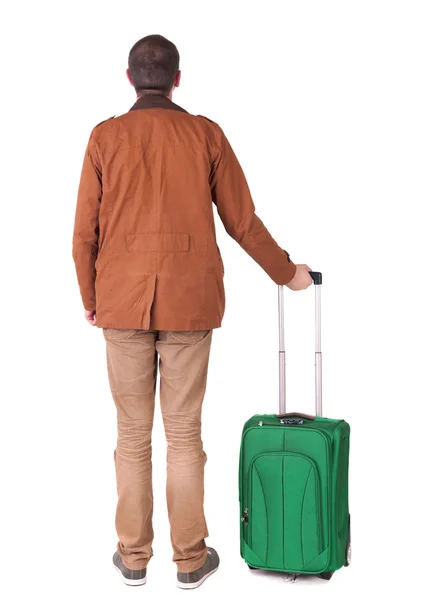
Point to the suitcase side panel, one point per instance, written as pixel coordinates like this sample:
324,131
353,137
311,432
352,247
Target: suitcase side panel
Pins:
340,496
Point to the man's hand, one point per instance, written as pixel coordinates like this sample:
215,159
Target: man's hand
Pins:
91,317
302,279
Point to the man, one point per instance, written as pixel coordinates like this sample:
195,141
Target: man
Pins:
151,276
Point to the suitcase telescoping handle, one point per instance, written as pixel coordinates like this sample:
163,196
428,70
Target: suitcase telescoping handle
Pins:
317,280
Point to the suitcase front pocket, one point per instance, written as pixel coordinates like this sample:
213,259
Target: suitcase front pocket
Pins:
284,506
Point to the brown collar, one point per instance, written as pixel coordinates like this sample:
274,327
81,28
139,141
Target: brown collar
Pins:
155,101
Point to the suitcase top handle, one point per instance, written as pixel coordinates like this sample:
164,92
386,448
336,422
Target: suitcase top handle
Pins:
297,415
316,276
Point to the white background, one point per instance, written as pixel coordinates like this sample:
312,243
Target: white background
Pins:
330,108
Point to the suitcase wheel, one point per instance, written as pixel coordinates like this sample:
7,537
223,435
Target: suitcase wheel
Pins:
348,555
348,549
252,568
327,576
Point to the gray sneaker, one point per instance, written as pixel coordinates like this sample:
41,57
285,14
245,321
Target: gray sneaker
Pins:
189,581
129,577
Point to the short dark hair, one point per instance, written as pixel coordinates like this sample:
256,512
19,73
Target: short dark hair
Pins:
153,63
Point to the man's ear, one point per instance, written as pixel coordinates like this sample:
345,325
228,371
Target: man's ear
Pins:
177,79
129,76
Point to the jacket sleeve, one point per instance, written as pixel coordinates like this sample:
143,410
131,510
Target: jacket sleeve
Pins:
230,193
86,228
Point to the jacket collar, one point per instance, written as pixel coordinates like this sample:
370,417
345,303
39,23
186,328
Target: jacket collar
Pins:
155,101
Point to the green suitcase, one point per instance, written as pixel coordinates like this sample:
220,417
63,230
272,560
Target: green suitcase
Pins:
293,483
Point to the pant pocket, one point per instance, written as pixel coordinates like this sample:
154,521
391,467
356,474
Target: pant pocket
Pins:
118,334
189,337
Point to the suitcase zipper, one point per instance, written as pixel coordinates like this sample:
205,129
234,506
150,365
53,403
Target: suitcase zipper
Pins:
287,422
245,516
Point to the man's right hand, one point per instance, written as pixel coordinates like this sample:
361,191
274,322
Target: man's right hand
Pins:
302,279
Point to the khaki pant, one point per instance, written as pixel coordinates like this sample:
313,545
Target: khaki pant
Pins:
132,358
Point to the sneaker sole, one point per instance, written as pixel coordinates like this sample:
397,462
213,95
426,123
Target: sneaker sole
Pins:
132,582
192,586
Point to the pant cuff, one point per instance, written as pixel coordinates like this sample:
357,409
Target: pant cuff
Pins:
186,567
137,566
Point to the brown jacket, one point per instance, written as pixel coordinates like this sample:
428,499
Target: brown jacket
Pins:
144,241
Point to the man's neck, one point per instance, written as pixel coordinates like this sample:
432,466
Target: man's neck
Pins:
154,93
155,100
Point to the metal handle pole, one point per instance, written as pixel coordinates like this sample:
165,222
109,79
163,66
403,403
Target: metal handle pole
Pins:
318,350
317,279
282,382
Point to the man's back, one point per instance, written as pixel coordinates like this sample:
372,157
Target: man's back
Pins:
156,237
